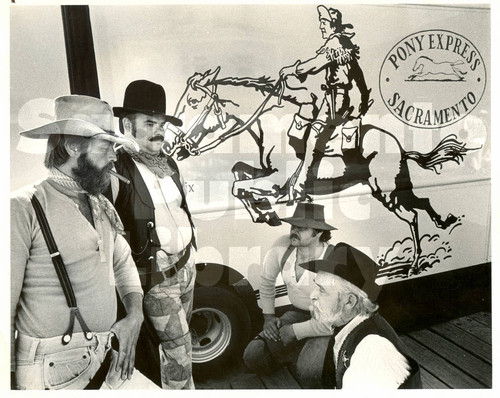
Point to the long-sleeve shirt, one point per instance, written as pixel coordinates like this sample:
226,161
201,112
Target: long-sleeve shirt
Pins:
338,50
97,260
299,291
375,363
172,222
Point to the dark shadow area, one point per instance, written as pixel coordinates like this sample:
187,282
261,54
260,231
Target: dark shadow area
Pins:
420,302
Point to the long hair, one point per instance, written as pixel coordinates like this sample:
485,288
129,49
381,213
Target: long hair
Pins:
56,154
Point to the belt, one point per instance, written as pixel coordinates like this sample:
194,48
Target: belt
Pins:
329,89
53,344
148,280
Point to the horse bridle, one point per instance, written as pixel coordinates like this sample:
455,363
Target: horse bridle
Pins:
214,103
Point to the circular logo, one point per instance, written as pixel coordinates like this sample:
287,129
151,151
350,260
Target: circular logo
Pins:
432,79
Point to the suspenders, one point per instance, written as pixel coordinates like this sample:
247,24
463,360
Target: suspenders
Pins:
290,249
62,274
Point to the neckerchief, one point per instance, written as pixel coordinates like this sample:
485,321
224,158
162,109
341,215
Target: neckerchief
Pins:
99,201
158,164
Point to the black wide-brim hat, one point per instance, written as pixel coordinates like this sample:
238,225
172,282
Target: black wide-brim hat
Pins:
143,96
309,215
350,264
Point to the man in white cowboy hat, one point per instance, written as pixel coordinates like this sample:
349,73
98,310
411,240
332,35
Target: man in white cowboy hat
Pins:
161,234
68,258
338,57
364,351
284,340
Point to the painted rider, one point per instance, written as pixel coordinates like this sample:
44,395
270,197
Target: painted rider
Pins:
339,58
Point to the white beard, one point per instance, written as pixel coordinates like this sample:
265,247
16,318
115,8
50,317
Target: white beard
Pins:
324,316
332,317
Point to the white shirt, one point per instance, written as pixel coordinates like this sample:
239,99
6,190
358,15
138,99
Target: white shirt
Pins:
299,291
375,363
172,223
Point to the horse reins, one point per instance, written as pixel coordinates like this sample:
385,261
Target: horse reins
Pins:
249,122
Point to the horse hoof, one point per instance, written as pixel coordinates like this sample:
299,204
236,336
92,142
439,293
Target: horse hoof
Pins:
413,270
273,220
450,220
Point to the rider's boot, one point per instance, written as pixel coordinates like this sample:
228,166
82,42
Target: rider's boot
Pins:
298,134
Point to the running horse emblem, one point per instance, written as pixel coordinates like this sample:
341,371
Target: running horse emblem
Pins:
385,172
426,67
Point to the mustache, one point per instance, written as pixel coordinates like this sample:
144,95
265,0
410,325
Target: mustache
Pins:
157,137
108,167
294,236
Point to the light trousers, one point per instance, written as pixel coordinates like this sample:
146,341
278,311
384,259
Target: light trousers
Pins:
47,364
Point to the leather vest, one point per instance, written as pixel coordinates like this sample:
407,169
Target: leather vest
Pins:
377,325
137,212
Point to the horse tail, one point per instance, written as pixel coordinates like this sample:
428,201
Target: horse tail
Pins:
448,149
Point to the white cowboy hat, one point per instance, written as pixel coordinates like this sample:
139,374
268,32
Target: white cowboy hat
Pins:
82,116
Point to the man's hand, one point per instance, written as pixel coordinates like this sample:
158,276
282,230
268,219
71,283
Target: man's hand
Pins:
271,327
289,70
127,332
287,334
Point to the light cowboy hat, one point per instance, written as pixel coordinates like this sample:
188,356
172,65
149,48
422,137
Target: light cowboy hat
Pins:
83,116
143,96
309,215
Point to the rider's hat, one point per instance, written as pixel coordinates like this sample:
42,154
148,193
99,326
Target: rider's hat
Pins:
350,264
309,215
143,96
333,15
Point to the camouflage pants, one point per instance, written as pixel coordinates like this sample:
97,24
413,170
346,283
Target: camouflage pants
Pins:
169,305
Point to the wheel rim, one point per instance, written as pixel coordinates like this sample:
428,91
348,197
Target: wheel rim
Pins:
210,334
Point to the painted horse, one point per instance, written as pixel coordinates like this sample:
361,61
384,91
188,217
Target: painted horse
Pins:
383,169
426,67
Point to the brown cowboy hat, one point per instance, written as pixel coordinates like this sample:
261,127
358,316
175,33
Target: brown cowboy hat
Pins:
309,215
83,116
143,96
351,265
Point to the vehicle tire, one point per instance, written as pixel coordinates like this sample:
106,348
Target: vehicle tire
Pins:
220,329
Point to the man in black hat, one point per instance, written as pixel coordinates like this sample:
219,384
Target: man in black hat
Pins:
364,351
161,232
339,58
284,340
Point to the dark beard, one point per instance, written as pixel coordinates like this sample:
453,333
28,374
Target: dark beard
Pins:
90,178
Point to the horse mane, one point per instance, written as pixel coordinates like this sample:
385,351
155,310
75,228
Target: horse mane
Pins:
425,57
264,85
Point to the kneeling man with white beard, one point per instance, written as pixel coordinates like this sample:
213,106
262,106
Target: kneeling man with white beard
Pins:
364,350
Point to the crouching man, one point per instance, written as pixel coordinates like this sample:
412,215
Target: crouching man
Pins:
364,351
67,258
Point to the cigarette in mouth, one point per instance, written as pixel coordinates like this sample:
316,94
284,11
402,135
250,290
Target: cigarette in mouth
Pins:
120,177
